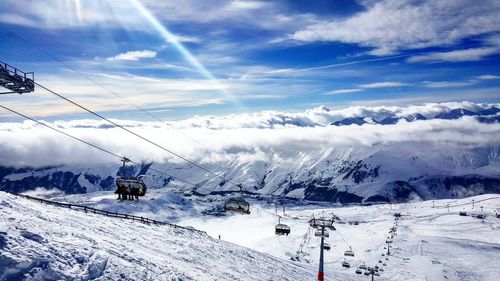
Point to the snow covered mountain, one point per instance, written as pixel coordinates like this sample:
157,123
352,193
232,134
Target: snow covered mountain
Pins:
41,242
409,158
486,115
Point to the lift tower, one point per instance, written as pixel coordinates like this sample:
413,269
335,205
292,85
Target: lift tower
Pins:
15,80
321,225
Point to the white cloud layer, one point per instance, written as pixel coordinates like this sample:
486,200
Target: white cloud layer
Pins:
246,137
392,25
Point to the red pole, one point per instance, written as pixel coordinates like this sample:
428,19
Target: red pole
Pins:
321,274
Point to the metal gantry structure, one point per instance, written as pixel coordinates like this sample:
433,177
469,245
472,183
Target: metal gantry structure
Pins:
15,80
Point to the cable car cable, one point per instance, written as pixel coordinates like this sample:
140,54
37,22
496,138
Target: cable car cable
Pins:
136,134
102,86
88,143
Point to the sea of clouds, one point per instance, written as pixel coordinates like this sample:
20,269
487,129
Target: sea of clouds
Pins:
239,137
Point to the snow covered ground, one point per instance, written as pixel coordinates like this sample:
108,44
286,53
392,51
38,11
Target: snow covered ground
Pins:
431,243
41,242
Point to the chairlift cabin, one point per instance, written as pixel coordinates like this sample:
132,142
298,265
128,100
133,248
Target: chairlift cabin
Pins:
282,229
320,233
237,205
349,253
128,187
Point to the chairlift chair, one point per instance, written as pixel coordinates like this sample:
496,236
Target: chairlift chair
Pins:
319,233
346,264
130,186
282,229
358,271
349,253
237,205
327,246
362,267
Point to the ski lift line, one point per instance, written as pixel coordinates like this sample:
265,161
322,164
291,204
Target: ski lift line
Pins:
350,247
136,134
104,87
108,90
86,142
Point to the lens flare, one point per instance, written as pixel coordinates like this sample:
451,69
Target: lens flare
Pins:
168,36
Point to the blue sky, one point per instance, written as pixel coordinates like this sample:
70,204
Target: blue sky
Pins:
184,58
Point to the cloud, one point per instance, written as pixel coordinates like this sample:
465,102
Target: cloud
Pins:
238,138
447,84
392,25
472,54
488,77
186,38
344,91
382,85
318,116
133,56
51,14
144,91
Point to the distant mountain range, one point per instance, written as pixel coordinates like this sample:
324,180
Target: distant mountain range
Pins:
488,115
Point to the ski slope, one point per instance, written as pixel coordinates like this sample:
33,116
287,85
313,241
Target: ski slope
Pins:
41,242
432,243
